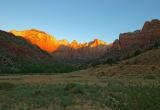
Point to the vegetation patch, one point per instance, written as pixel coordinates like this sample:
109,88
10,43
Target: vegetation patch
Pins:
64,96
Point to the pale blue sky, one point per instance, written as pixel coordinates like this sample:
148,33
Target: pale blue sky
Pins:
82,20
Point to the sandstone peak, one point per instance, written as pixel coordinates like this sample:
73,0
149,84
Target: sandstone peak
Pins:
74,44
153,24
63,42
96,42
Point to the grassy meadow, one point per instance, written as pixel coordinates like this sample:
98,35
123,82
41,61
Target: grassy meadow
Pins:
80,92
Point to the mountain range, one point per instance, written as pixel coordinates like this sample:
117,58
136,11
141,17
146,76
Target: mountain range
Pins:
62,49
32,50
49,43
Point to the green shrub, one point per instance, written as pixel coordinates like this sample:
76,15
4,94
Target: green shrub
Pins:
6,86
110,61
157,44
149,77
66,101
115,96
137,52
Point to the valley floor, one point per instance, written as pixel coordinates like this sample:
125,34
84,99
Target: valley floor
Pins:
80,91
83,77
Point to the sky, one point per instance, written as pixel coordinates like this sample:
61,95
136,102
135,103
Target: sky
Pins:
81,20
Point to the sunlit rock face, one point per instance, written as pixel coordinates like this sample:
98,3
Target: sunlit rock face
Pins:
96,43
41,39
62,49
74,44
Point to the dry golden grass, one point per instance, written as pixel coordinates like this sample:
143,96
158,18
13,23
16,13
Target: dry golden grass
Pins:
151,57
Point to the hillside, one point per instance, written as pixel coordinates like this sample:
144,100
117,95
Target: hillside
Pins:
144,63
151,57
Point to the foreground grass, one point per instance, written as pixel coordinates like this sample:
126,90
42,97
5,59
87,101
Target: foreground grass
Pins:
79,96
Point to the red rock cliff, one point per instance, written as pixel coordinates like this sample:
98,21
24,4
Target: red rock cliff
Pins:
140,38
